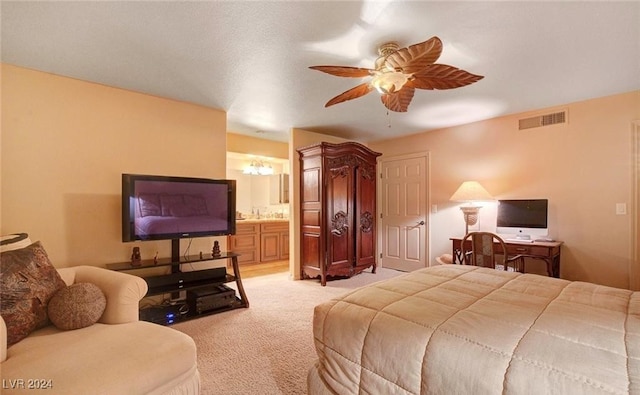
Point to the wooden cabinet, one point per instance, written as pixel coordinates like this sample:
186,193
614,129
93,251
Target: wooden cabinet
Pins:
338,208
246,242
284,245
261,241
274,241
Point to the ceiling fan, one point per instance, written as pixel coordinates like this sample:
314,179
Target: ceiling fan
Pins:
399,72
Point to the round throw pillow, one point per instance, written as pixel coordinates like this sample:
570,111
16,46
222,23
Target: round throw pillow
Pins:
77,306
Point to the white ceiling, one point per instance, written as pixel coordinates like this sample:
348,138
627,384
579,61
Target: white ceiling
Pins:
251,59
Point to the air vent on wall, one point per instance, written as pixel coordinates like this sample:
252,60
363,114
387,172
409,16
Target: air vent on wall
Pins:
543,120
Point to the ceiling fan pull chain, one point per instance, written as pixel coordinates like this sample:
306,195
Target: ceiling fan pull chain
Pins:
388,120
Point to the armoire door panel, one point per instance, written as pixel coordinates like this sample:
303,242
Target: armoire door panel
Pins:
311,250
340,247
365,247
365,214
340,211
340,192
311,187
311,217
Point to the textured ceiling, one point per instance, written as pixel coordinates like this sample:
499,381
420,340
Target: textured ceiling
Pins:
251,59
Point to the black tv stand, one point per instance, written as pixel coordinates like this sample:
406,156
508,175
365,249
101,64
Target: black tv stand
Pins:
175,255
177,281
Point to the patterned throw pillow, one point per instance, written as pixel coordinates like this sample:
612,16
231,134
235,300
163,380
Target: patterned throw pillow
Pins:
28,280
77,306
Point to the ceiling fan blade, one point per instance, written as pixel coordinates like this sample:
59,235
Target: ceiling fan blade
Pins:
351,94
442,76
398,101
343,71
416,57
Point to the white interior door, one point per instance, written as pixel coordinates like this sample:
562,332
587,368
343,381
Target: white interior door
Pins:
404,214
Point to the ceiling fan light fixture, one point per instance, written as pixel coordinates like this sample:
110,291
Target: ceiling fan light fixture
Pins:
389,81
388,48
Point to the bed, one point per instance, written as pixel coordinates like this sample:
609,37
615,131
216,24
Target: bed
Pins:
455,329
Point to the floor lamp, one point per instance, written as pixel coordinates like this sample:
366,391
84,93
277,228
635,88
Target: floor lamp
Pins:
470,192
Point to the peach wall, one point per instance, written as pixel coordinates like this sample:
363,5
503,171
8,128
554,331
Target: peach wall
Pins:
584,168
65,144
256,146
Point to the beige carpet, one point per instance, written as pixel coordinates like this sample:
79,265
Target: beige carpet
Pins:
267,348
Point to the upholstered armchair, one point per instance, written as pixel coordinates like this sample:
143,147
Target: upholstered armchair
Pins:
113,353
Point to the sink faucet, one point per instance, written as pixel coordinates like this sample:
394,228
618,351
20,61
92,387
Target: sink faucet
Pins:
256,212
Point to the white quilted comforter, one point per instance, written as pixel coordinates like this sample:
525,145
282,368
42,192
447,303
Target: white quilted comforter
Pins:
455,329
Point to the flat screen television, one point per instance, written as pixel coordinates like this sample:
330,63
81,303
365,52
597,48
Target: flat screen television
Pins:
522,218
173,208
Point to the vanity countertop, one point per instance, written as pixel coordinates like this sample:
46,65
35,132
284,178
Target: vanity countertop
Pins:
260,220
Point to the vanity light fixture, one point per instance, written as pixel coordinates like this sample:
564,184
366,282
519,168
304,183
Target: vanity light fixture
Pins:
258,168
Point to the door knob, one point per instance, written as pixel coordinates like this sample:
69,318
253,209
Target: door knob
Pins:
416,225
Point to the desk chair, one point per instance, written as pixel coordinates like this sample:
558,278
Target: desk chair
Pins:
489,250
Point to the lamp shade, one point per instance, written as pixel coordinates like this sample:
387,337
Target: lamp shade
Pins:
471,191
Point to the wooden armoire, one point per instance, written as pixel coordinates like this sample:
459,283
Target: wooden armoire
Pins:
338,210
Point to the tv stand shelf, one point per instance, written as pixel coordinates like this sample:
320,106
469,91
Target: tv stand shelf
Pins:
177,280
165,289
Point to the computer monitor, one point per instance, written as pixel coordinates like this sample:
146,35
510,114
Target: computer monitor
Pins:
522,218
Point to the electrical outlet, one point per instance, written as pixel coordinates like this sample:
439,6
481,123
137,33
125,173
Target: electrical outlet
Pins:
621,208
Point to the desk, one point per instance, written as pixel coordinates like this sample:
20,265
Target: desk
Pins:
547,251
